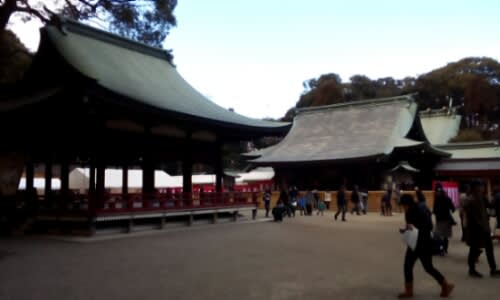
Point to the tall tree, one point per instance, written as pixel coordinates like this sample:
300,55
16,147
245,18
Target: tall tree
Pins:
362,87
14,58
327,89
147,21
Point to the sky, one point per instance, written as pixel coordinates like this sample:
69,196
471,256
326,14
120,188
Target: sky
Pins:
253,56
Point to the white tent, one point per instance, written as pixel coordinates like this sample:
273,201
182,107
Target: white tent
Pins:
79,179
39,183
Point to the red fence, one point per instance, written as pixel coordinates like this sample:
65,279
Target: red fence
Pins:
118,203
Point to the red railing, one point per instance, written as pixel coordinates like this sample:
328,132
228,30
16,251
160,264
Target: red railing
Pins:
118,203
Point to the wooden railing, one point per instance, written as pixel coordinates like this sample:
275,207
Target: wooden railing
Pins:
118,203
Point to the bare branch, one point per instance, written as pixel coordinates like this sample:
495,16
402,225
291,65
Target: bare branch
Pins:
72,7
34,12
93,6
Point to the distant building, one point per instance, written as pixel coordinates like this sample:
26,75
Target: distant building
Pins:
468,160
358,142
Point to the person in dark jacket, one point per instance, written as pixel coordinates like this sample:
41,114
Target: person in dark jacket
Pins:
341,203
478,232
417,218
496,205
284,199
267,201
355,200
387,203
443,208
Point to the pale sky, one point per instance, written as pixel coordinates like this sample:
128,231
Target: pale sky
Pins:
254,55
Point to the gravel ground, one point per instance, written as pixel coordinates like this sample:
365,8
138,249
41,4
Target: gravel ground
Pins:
301,258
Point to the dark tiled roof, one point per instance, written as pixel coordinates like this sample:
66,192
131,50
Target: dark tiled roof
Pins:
351,130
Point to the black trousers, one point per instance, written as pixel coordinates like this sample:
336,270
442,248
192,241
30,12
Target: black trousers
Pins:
425,256
474,253
341,209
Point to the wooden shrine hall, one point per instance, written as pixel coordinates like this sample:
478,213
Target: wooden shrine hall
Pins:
354,143
93,99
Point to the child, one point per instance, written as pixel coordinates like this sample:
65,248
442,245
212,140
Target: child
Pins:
321,207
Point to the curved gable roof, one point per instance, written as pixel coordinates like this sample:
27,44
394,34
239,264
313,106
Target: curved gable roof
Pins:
359,129
440,126
139,72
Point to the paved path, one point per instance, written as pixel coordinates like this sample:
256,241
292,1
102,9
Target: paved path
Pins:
301,258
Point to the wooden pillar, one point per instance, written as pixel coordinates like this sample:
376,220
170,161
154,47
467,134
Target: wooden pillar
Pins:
48,179
125,181
148,165
100,183
187,167
91,194
219,171
30,175
148,177
64,177
187,174
92,178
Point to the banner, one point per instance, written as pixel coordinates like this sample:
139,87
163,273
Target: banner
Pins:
451,189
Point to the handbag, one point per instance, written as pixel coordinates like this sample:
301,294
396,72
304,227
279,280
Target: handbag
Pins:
410,238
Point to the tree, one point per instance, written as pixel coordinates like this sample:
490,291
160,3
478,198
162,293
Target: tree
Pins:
452,81
479,97
147,21
327,89
14,58
362,87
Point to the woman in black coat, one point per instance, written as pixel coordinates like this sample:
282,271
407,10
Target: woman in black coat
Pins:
443,208
417,218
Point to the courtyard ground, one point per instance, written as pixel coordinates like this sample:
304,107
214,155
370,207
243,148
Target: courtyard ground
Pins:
301,258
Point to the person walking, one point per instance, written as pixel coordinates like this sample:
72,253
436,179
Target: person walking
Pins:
328,199
496,205
463,198
355,200
478,232
267,201
285,201
387,203
293,194
443,209
364,200
309,203
417,218
341,203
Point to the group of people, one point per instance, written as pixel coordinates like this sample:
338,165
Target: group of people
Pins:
289,202
474,210
359,199
475,225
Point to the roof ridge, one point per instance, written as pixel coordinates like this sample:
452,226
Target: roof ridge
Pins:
462,145
438,112
65,24
366,102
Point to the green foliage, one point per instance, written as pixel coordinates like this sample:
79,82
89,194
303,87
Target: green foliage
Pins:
146,21
327,89
473,82
14,58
